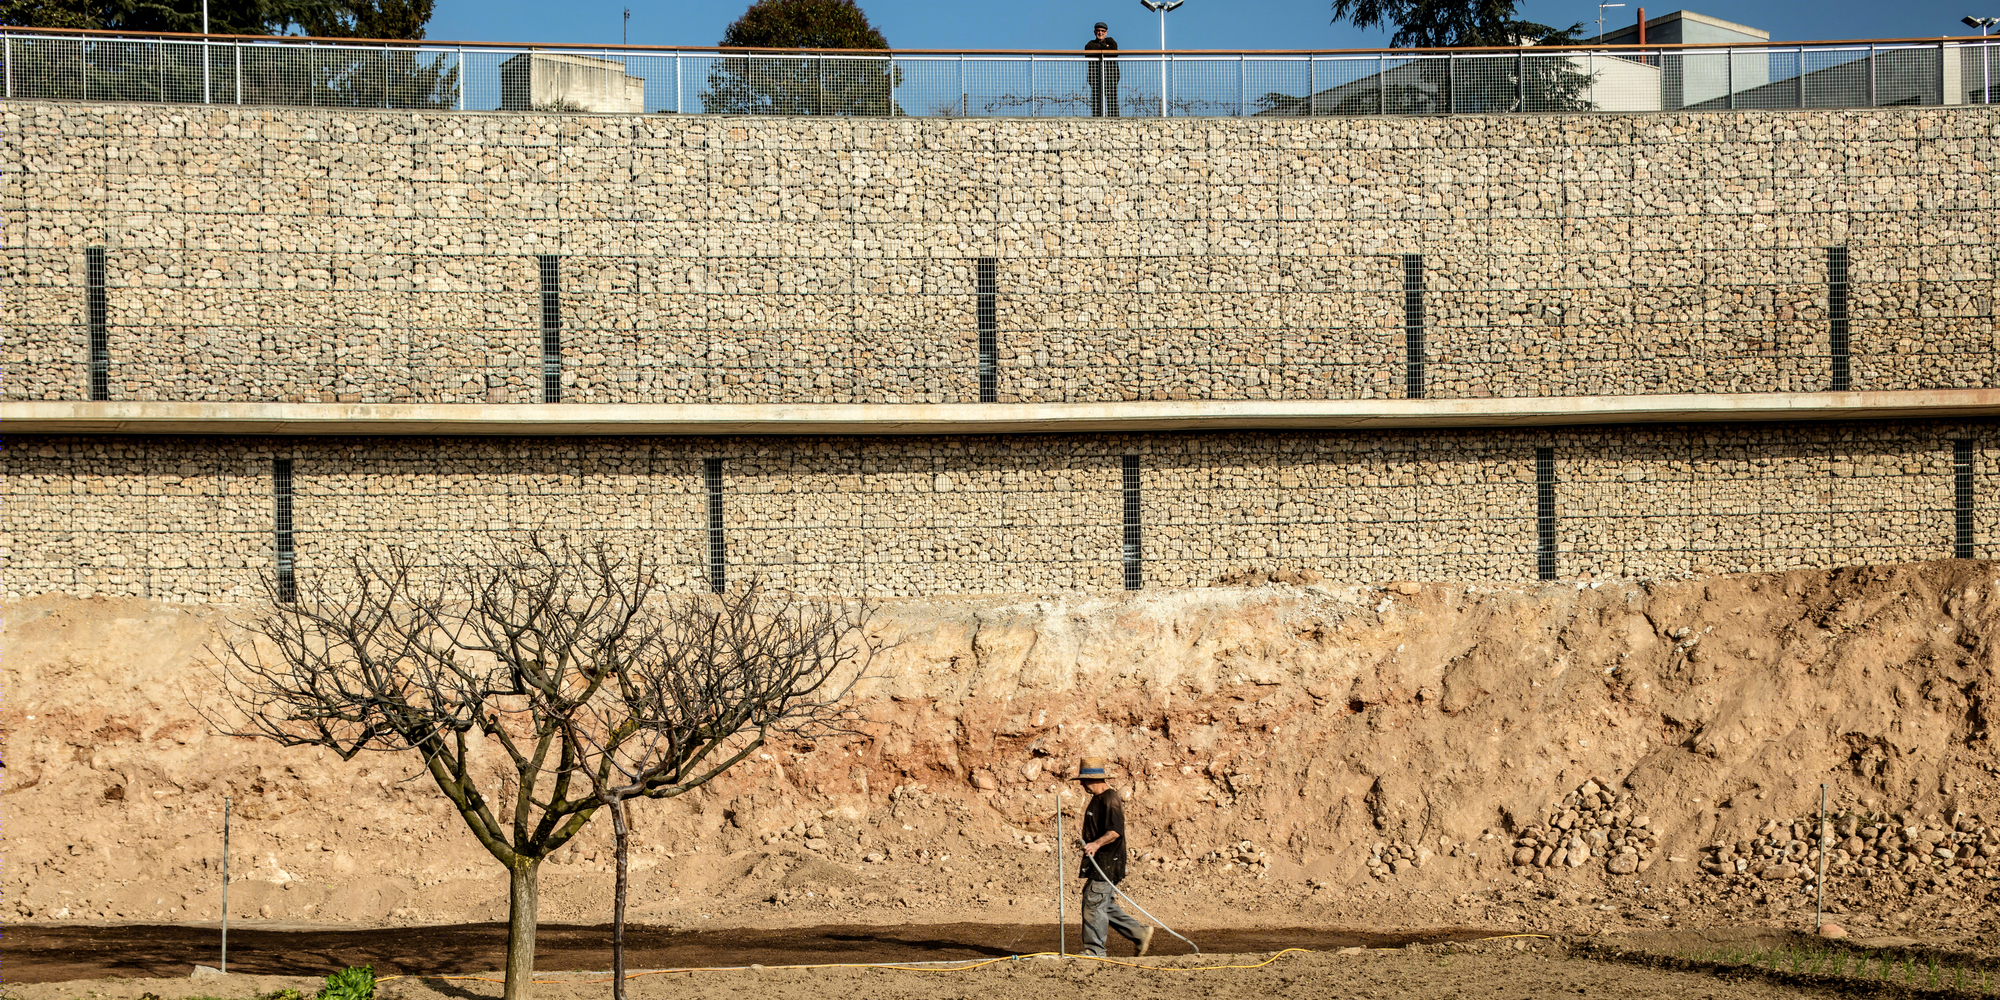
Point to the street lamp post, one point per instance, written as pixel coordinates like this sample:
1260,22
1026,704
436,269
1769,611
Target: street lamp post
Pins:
1600,19
1985,54
1161,7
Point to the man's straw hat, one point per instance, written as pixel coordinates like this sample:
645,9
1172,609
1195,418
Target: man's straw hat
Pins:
1091,769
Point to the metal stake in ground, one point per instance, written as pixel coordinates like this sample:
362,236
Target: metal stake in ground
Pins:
1820,837
1062,890
225,884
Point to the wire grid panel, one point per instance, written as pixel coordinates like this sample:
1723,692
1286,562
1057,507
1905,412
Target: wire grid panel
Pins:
1346,85
1978,67
1649,505
1278,86
1207,87
1483,84
1835,78
933,87
1780,70
1907,75
1420,85
798,85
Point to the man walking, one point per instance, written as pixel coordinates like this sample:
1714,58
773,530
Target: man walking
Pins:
1103,73
1104,863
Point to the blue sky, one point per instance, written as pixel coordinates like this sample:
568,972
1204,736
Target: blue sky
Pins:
1218,24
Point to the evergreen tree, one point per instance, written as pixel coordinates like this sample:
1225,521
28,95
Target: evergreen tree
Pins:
803,24
801,85
225,17
1446,24
367,19
1527,82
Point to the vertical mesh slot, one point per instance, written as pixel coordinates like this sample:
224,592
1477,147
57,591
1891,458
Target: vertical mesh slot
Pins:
1413,326
711,473
95,316
551,268
281,527
1836,315
1134,568
1961,496
1545,513
989,336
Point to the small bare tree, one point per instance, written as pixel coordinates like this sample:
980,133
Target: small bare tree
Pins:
567,659
728,672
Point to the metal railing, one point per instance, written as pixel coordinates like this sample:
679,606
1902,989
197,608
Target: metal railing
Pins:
183,69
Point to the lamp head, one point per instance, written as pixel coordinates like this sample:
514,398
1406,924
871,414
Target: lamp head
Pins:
1969,21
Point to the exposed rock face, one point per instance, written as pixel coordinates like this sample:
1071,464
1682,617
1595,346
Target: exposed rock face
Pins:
1307,740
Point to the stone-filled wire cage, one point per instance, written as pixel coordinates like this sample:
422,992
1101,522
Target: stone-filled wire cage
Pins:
180,519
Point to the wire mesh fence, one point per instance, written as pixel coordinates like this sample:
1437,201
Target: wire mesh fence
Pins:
419,76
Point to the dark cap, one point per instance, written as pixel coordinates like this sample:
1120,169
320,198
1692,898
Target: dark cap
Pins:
1100,26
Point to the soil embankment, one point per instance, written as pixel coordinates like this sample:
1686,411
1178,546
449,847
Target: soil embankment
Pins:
1311,756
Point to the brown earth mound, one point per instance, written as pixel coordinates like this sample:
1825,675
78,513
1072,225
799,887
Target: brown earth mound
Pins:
1317,755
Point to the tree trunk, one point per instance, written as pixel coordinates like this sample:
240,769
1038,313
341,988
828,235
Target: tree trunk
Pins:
522,889
624,839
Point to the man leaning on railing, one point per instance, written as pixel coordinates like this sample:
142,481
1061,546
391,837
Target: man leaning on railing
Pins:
1103,73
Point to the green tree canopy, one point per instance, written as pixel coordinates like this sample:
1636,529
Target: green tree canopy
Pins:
803,24
1550,82
1441,24
325,18
802,84
367,19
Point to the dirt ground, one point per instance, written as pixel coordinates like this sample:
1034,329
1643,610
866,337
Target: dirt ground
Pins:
1576,759
1525,969
32,954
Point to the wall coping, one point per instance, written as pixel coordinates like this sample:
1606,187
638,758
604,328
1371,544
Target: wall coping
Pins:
594,419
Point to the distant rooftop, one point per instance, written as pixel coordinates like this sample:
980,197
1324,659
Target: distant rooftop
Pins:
1685,27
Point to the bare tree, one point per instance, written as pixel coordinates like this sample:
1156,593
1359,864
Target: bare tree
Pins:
566,659
730,671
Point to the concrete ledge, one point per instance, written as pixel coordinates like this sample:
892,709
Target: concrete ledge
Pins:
576,419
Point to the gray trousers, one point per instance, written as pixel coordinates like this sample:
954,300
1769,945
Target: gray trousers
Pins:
1101,910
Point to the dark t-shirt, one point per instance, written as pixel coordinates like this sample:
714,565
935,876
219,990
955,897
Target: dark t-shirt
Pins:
1105,813
1103,67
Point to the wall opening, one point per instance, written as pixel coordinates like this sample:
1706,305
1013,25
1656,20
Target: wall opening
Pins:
96,319
1545,513
551,270
1134,567
989,331
711,474
1413,326
281,525
1961,495
1836,317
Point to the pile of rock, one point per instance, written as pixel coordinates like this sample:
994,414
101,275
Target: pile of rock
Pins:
1397,857
1243,854
1861,844
1591,822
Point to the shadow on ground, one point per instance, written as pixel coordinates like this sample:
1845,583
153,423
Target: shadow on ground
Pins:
33,954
